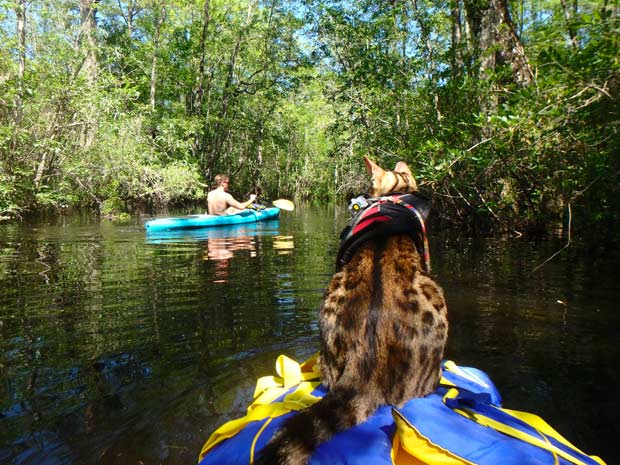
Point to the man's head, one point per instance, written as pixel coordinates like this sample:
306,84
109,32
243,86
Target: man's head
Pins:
222,180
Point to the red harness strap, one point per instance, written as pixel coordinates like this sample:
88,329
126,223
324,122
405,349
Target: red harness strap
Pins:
388,215
367,219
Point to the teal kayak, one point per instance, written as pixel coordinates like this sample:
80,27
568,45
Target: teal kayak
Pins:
204,221
233,231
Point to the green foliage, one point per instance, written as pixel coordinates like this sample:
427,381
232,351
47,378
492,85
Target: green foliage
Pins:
8,208
112,206
288,105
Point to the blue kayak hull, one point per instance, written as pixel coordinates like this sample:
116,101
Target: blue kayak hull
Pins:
205,221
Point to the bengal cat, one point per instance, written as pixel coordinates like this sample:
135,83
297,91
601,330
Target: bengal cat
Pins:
383,329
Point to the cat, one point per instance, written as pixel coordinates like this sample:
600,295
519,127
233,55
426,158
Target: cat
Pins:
383,329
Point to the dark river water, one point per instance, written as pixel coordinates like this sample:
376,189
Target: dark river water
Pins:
118,347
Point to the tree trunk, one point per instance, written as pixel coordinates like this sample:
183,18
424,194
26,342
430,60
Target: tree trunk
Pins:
89,27
473,18
203,57
513,49
456,36
495,37
132,11
20,13
261,139
153,78
569,16
40,169
200,141
159,18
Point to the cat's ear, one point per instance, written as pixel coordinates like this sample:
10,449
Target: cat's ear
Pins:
402,167
377,174
372,167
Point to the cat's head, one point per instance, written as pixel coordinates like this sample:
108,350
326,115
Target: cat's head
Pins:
384,182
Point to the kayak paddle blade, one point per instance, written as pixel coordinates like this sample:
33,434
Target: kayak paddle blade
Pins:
284,204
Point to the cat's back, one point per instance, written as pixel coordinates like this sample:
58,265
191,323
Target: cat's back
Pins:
384,319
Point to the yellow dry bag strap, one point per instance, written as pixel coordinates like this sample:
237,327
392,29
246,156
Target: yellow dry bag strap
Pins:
268,388
524,426
420,450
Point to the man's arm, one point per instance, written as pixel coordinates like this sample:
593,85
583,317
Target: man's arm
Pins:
240,205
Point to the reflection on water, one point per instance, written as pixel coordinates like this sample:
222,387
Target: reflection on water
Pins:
221,243
118,346
222,249
284,244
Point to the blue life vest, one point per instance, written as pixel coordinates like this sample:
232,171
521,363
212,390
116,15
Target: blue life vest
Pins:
461,423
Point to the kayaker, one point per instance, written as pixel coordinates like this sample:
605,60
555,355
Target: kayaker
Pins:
220,202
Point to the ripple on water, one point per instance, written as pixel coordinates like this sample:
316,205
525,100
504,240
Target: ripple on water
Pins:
116,347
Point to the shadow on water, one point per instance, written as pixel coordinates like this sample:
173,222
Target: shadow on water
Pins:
122,347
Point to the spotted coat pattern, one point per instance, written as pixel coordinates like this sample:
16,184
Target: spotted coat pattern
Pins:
383,329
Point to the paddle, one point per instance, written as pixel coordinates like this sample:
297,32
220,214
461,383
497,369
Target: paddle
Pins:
282,204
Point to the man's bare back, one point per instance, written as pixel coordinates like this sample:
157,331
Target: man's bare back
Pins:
221,202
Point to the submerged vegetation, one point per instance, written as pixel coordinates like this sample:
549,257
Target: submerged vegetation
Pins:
508,111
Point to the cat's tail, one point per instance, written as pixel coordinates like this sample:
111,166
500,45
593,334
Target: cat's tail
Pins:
301,434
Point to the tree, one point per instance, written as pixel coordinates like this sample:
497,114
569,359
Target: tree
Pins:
158,10
113,103
87,40
20,14
494,35
202,78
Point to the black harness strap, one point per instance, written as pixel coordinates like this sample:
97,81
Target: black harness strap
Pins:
392,214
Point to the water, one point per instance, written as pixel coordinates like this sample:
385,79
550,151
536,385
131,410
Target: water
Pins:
121,347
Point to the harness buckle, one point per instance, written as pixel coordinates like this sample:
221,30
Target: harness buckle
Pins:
357,204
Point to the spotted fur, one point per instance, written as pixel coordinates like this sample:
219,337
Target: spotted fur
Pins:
383,329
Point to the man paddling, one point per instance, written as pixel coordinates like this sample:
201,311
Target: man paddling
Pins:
220,202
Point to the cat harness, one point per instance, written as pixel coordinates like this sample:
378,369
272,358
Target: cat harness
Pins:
395,213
